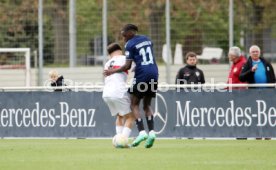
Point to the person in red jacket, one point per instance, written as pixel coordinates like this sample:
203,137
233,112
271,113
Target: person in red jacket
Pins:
238,61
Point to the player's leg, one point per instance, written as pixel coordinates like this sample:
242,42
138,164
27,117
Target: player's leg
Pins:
150,121
119,124
129,121
148,112
126,118
139,121
151,93
123,107
111,103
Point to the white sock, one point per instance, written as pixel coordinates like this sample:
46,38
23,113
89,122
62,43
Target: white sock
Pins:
126,131
119,129
142,132
152,132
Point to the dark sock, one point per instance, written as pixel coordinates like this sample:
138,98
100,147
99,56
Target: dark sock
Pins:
150,123
139,124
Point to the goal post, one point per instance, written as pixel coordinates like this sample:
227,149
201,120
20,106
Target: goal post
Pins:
27,65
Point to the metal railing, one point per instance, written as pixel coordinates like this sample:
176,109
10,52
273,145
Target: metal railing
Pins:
160,87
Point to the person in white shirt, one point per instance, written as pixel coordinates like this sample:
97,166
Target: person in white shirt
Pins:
115,91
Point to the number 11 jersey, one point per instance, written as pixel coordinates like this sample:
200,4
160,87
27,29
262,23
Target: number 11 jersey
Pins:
139,50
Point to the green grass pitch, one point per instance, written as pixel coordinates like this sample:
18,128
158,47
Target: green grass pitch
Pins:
94,154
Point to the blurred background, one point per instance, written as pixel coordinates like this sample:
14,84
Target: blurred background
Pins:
71,35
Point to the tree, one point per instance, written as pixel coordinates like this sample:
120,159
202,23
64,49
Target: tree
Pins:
258,19
148,15
61,33
19,27
155,13
16,29
194,24
200,23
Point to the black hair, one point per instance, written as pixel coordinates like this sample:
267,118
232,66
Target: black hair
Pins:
129,27
113,47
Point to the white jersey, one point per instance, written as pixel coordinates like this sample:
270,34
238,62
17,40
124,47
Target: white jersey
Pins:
115,84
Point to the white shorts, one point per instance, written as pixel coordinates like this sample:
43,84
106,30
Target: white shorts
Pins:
119,106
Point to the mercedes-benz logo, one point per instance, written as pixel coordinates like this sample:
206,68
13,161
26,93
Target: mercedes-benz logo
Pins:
160,115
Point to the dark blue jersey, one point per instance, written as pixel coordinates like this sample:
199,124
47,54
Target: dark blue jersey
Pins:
139,49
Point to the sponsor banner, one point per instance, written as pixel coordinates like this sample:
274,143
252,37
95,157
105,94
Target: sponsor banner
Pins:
240,113
54,114
245,113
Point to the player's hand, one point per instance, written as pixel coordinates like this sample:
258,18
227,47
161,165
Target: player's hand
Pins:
254,68
133,69
108,72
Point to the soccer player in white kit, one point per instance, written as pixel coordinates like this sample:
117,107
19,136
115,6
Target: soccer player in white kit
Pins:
115,92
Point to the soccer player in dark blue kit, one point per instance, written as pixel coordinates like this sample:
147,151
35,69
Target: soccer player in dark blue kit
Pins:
139,49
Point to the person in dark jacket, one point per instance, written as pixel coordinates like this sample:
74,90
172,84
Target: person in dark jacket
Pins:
56,80
257,70
190,74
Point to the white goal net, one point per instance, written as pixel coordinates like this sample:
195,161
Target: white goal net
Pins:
15,59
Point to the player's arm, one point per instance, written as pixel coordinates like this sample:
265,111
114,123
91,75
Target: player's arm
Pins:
125,67
202,80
